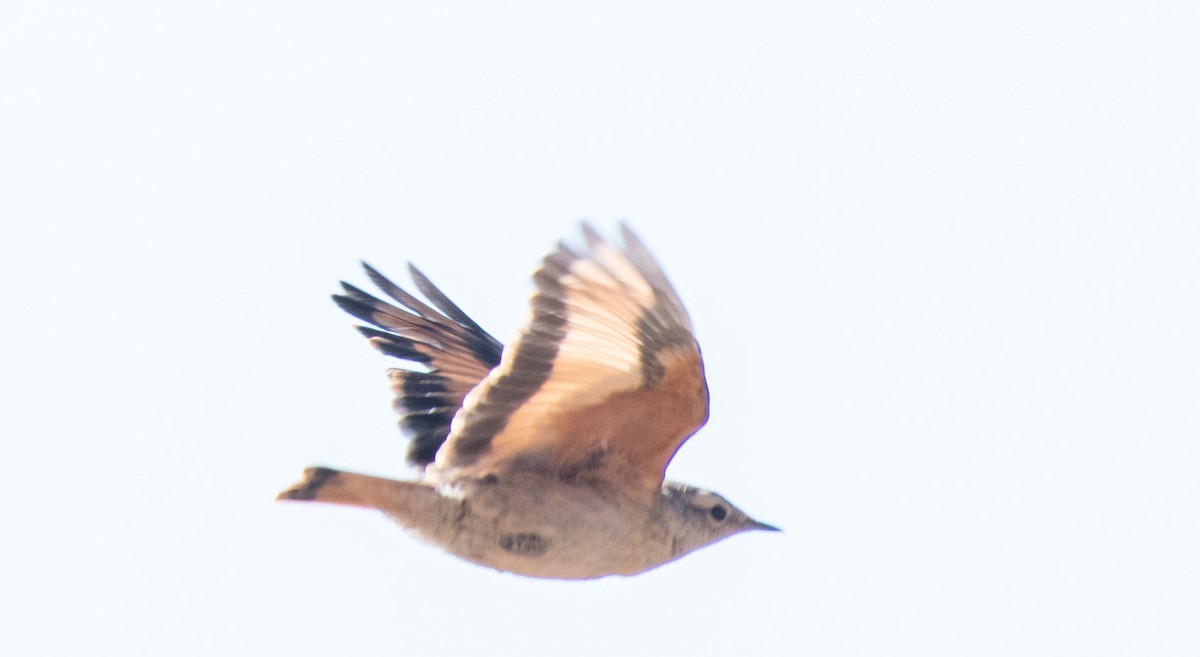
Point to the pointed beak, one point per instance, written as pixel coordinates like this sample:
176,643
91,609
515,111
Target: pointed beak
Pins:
754,524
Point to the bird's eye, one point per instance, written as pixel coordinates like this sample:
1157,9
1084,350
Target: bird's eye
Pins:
718,513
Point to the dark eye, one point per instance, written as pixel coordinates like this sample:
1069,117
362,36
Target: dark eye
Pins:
718,512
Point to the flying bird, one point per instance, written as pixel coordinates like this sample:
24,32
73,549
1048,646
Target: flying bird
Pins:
545,457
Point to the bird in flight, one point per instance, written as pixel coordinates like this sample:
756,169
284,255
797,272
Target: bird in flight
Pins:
545,457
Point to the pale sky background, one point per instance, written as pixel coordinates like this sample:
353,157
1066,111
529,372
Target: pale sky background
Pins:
943,259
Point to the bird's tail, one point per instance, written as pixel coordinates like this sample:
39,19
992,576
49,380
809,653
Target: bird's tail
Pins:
321,484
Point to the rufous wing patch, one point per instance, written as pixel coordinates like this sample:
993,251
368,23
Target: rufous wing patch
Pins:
605,381
638,429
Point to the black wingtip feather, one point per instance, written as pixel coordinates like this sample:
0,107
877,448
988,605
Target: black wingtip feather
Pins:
419,334
396,346
356,308
591,236
401,296
486,348
426,413
439,299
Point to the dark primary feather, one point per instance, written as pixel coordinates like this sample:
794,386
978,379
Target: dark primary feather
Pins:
441,339
533,358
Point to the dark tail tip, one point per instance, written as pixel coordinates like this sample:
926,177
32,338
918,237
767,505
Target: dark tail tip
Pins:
309,488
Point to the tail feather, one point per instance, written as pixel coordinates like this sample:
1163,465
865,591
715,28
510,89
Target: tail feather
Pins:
321,484
309,488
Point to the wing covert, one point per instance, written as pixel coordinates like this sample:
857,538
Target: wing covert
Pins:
605,382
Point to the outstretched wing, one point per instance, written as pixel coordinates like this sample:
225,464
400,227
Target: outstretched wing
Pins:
452,353
604,383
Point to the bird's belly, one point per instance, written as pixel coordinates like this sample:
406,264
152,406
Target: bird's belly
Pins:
557,530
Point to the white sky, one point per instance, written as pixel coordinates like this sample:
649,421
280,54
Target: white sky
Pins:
943,261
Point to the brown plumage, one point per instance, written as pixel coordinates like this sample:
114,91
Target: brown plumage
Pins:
559,441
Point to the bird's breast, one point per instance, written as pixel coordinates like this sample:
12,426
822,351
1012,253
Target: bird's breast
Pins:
543,527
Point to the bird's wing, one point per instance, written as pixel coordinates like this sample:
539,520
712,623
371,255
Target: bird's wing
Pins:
604,383
446,355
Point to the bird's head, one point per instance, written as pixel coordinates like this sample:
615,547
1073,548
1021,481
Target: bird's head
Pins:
700,517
